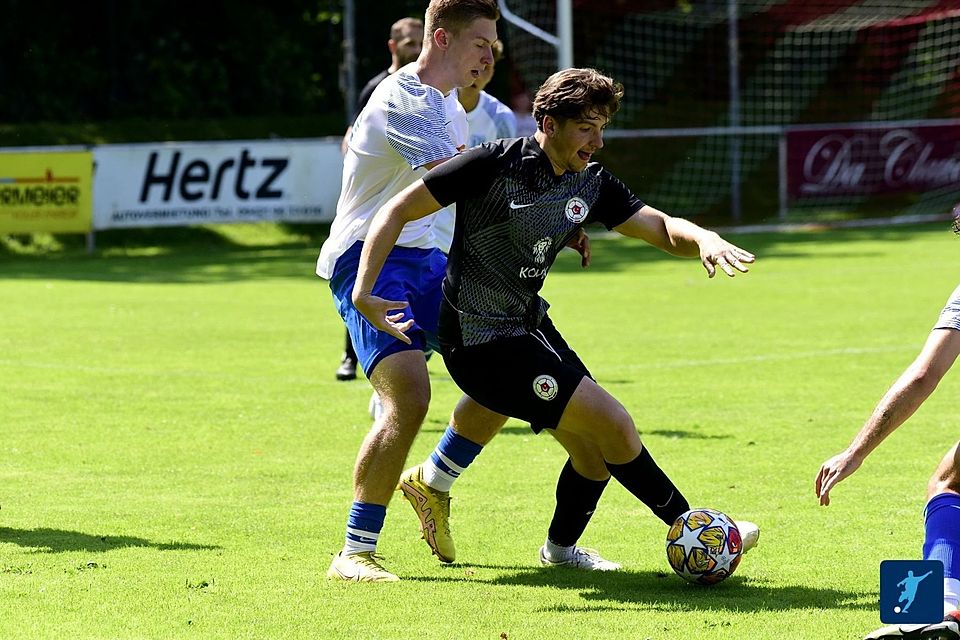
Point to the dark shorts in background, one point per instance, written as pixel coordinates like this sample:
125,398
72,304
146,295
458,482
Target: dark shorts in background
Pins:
529,377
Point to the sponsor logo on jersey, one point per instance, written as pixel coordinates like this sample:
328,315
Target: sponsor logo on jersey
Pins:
576,210
545,387
516,205
533,272
540,250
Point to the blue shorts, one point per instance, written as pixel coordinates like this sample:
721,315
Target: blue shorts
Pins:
410,274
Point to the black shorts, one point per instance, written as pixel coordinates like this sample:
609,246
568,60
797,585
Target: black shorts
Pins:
529,377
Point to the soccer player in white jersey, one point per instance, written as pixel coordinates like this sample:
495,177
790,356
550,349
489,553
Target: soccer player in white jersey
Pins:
412,122
487,119
405,44
519,202
942,511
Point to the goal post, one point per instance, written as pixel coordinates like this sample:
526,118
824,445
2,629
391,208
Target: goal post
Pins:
727,84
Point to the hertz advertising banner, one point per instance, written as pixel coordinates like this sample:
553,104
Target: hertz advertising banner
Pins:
187,183
46,192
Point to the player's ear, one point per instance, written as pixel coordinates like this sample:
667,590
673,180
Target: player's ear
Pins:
441,37
392,46
549,126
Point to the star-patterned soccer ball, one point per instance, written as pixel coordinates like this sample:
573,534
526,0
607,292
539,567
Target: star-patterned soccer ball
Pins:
704,546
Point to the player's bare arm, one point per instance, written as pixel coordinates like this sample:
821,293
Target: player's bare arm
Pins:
899,403
683,238
411,204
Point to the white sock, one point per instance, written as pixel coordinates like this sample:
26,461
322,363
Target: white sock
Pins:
557,553
435,477
367,542
951,595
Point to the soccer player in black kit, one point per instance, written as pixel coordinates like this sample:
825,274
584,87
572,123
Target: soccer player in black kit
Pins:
519,202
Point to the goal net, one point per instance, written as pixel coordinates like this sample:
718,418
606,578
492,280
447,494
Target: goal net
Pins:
800,62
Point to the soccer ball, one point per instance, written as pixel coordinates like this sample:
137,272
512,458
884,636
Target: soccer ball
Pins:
704,546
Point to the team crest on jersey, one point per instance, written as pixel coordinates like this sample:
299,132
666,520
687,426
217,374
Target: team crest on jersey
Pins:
545,387
540,250
576,210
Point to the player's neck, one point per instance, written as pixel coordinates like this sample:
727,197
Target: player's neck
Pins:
432,71
548,150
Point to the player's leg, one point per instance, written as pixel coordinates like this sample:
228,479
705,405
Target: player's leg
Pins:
402,382
942,524
348,364
398,373
427,485
594,414
941,542
579,487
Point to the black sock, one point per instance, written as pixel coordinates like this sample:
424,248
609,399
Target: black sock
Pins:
577,499
644,479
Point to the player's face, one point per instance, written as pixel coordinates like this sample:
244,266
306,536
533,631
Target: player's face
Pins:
573,142
408,48
469,50
485,77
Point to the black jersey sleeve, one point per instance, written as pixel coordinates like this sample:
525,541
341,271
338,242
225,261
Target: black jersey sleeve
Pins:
465,175
616,202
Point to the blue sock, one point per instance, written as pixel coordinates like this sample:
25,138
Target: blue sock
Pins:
942,542
363,527
942,539
451,458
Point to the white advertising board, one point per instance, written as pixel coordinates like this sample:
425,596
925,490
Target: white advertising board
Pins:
185,183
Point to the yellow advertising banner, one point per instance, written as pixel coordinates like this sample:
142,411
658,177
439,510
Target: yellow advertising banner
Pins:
46,192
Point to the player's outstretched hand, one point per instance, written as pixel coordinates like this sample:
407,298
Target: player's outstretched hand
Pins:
581,244
833,471
715,252
377,311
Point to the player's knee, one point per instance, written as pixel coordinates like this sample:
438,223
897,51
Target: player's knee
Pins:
947,476
406,408
618,429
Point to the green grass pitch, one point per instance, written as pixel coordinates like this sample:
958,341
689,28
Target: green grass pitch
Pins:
175,454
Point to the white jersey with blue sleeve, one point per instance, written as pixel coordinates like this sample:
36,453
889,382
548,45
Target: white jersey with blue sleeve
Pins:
489,120
405,125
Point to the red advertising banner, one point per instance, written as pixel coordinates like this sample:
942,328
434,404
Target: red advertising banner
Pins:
868,161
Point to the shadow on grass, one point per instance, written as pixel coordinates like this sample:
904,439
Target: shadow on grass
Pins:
661,590
45,540
203,255
174,255
684,434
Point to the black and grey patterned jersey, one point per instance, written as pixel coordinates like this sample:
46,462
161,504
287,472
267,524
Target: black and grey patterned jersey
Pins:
514,215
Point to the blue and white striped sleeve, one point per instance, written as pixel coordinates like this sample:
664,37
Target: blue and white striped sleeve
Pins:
416,122
950,316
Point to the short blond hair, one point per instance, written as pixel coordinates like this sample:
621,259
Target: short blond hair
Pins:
455,15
